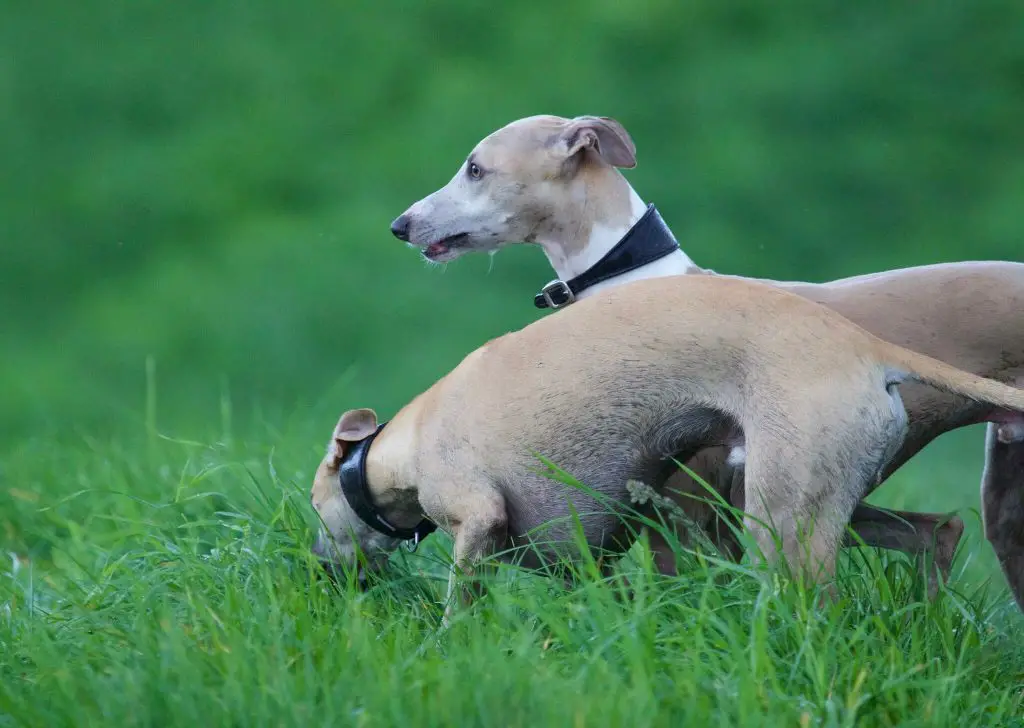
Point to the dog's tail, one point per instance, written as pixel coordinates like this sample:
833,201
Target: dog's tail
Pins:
947,378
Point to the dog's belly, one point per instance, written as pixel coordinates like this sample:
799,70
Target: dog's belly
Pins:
547,518
541,534
549,514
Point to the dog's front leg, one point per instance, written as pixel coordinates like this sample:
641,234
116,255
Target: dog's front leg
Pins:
482,531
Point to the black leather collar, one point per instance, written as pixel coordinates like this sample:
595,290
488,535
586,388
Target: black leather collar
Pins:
647,241
352,477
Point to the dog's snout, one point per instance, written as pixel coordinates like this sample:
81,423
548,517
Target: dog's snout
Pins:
400,227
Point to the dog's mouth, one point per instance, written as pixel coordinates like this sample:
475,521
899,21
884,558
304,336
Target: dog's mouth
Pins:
446,248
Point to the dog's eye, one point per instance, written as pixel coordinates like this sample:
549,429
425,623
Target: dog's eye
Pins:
474,171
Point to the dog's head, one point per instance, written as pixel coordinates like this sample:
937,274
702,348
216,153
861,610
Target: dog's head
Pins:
343,535
525,180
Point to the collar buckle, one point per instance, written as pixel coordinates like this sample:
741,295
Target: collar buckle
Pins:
557,294
647,241
413,543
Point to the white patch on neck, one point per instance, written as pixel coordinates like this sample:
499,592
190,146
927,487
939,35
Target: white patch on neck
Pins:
604,238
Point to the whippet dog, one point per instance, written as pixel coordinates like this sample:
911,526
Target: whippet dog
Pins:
609,402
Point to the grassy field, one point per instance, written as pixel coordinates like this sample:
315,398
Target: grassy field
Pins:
162,582
198,194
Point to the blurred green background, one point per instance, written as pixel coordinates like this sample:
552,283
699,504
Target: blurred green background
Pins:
209,183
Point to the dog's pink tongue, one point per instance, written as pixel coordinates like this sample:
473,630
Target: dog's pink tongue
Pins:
435,249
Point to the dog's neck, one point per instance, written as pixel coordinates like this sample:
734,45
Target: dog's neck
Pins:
610,207
390,476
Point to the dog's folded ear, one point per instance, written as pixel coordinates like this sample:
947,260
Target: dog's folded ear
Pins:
353,426
356,425
605,136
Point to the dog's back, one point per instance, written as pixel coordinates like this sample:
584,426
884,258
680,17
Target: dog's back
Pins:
976,322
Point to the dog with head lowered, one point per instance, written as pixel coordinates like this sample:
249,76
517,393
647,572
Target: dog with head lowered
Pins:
609,400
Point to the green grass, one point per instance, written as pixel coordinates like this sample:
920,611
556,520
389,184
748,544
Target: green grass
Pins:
206,187
166,583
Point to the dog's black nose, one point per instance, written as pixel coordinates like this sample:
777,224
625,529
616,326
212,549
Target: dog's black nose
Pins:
400,228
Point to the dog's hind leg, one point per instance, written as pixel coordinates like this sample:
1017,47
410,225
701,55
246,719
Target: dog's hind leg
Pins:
1002,497
917,534
806,482
794,511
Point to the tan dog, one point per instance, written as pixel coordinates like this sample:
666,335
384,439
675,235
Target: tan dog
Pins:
552,181
609,401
